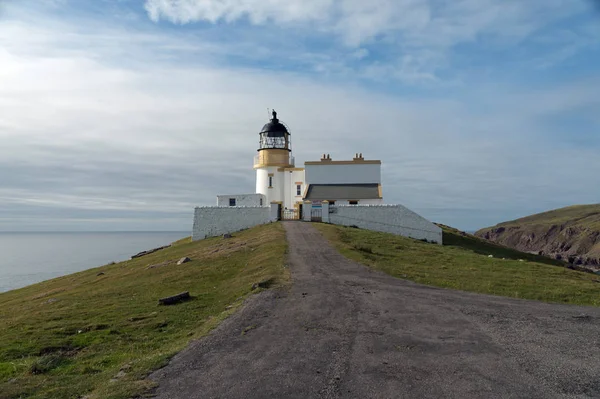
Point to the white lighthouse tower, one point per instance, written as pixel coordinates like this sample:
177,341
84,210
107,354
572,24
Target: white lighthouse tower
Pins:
274,164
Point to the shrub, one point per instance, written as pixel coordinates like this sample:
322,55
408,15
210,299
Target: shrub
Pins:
45,364
364,248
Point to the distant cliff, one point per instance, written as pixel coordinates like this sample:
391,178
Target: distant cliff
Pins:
571,234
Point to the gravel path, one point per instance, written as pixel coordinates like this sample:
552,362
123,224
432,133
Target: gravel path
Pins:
345,331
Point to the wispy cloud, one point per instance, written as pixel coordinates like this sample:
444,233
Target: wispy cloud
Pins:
442,23
418,37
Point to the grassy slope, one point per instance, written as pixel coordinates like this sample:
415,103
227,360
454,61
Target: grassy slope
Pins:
460,264
586,216
70,336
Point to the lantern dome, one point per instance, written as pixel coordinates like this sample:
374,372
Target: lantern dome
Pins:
274,128
275,135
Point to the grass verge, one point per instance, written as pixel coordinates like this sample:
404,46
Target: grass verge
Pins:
463,264
98,333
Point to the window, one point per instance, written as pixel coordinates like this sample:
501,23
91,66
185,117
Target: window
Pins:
298,189
331,202
353,202
270,181
231,201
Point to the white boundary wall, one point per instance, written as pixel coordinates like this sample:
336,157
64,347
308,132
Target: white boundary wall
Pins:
242,200
395,219
215,221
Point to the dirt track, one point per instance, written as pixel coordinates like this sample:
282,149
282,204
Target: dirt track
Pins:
345,331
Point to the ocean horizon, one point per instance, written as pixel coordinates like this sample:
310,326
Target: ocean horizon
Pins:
31,257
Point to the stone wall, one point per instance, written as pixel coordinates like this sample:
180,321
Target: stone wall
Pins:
215,221
242,200
395,219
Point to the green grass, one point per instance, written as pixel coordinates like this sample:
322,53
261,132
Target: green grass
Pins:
100,335
463,264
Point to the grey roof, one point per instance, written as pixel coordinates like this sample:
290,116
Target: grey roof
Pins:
342,191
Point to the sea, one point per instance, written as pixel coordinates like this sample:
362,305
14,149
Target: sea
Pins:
28,258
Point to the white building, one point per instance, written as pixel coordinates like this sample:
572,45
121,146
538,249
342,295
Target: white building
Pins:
344,192
355,182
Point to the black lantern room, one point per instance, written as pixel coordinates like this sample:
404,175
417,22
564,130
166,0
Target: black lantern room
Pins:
274,135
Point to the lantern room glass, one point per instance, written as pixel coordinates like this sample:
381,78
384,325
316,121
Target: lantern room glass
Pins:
282,141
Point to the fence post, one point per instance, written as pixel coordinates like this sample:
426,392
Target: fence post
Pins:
325,211
307,211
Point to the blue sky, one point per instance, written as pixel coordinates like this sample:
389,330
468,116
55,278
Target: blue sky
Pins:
125,114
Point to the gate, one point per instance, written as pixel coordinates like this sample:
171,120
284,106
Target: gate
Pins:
316,215
290,214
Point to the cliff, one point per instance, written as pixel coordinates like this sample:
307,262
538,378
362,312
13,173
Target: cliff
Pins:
571,234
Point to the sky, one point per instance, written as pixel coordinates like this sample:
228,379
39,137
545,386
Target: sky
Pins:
122,115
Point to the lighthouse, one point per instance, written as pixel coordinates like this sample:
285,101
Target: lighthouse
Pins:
276,174
346,192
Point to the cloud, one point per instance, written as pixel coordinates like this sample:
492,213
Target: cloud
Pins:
417,22
186,11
